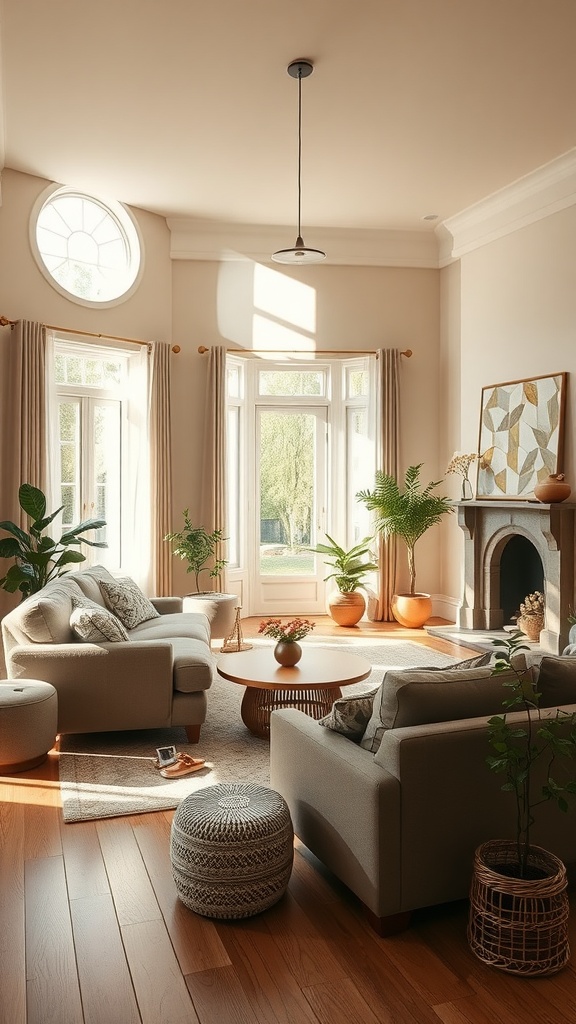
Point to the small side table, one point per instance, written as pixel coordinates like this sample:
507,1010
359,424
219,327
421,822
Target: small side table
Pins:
28,723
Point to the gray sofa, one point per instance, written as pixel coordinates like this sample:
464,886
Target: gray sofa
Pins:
157,677
400,826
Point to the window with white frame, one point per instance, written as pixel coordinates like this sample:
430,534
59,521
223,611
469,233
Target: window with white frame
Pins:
88,248
94,464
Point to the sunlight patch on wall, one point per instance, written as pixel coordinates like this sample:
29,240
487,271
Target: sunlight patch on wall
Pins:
274,337
284,298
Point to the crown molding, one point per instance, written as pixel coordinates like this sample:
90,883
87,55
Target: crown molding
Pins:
541,193
193,239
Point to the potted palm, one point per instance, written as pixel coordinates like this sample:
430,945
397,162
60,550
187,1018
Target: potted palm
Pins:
407,513
38,558
346,604
518,901
202,551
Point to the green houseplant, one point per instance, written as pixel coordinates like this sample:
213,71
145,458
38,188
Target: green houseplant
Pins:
346,605
38,557
201,550
408,513
519,907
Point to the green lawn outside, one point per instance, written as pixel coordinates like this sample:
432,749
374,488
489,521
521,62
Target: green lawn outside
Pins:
301,564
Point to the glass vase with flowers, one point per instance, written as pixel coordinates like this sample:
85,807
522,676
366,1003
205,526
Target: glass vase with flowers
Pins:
461,464
287,650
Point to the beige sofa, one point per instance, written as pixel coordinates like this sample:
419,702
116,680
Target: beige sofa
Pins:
156,678
399,826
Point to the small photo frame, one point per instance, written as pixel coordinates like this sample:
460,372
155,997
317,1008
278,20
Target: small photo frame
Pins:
521,439
166,756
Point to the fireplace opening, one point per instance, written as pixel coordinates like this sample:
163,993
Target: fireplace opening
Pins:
521,573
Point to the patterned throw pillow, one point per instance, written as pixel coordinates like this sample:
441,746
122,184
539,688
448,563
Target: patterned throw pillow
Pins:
93,623
350,715
127,601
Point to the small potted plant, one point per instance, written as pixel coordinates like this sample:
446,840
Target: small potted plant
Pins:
287,634
408,514
530,618
346,604
39,558
518,902
202,551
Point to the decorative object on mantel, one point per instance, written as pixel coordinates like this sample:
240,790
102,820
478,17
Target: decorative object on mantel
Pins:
530,618
287,651
521,436
552,489
461,464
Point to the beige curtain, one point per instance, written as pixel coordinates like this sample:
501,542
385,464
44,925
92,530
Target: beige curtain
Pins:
22,424
23,418
160,469
388,458
213,496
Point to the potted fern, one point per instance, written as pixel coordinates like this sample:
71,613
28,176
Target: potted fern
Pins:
346,604
407,513
518,901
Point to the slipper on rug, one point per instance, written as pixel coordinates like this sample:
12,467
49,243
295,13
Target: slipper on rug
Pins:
185,765
197,760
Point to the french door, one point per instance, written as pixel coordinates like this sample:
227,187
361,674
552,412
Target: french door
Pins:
289,510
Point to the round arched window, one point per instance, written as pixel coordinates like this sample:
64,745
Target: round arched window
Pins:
87,248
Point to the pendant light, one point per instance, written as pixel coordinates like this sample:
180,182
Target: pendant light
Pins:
300,253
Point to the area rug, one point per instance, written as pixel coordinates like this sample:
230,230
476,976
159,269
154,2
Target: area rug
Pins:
104,775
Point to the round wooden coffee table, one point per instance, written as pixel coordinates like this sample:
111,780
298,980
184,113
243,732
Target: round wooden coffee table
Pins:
311,686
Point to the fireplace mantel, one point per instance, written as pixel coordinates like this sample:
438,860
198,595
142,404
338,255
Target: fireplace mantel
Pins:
487,527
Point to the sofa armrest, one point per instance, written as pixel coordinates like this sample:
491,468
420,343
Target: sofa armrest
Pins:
126,685
345,808
167,605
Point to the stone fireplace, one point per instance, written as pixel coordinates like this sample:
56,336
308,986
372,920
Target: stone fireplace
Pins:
512,548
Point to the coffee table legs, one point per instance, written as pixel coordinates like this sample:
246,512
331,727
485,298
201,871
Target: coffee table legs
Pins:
258,704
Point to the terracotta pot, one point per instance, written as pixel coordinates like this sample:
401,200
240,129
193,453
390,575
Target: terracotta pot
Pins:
346,609
554,488
411,610
287,654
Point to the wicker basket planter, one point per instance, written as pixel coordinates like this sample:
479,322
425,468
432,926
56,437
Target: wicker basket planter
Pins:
519,925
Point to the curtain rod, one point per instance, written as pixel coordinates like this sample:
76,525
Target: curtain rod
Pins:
4,322
289,351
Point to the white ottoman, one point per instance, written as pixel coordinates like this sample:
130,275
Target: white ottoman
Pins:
28,723
232,847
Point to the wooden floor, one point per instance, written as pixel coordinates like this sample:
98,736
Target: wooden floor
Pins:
91,932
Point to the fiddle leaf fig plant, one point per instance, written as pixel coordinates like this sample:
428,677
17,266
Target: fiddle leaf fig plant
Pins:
38,557
196,546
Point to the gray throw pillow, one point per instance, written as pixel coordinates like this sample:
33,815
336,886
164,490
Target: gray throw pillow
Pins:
350,715
94,624
418,697
126,600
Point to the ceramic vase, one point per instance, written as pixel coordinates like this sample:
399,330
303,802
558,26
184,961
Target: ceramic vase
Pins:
554,488
346,609
466,494
287,654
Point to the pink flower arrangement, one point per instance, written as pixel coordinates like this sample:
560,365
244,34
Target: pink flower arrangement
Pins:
286,632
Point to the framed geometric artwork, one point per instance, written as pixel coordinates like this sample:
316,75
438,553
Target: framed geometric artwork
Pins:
521,436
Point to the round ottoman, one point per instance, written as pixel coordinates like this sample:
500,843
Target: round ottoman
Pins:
231,848
28,723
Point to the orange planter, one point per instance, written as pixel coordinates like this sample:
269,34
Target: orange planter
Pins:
411,610
346,609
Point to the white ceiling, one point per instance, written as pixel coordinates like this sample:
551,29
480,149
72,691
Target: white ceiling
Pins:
183,108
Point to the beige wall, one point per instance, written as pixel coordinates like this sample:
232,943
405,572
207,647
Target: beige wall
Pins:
515,317
239,305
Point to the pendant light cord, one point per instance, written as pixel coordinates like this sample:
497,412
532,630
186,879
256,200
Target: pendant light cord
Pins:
299,147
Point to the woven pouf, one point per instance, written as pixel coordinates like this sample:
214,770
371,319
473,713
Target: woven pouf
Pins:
232,847
28,723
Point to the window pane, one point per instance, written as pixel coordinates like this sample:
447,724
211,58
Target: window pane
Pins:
359,472
69,433
291,382
287,462
357,383
233,485
233,381
106,481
